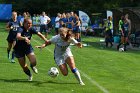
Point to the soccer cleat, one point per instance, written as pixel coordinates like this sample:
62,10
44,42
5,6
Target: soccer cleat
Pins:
12,61
81,83
34,69
30,78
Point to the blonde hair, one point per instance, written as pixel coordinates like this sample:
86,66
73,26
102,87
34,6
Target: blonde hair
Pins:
67,31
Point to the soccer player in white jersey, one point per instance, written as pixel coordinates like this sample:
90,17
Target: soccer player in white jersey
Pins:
62,53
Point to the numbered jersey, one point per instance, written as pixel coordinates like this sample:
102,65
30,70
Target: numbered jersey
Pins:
14,26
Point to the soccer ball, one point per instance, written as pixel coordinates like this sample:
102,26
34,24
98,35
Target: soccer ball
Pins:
121,49
53,72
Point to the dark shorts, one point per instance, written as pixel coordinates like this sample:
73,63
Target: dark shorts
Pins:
43,28
56,30
11,38
22,51
108,33
125,33
76,30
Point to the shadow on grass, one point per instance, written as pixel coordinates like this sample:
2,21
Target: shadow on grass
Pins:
36,83
53,82
18,81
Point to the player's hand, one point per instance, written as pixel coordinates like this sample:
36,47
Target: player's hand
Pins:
42,46
11,27
79,45
27,40
38,46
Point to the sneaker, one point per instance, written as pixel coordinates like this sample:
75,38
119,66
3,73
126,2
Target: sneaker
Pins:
30,78
34,69
12,61
81,83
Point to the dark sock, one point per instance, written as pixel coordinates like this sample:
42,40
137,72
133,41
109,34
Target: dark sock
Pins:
79,40
27,72
8,51
124,47
13,54
118,46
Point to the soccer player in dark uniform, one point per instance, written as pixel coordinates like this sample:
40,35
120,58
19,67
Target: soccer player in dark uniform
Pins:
12,27
69,22
24,48
76,29
124,29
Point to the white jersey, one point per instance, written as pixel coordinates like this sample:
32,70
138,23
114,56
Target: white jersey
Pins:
62,49
44,20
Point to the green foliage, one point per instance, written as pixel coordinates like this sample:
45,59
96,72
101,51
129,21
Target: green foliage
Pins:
54,6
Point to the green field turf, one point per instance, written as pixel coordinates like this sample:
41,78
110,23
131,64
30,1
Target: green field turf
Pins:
103,70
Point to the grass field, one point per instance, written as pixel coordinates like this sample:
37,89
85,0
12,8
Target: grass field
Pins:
103,70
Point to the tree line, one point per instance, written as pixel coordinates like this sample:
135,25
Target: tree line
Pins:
54,6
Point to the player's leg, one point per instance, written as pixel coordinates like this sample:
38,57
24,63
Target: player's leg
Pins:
125,42
22,62
32,59
46,30
9,49
121,42
78,34
63,68
13,52
71,63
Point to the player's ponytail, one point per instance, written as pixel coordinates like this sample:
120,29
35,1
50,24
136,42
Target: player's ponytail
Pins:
69,35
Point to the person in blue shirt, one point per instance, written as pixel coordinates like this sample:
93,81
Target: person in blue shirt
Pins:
12,26
76,25
69,23
24,48
63,20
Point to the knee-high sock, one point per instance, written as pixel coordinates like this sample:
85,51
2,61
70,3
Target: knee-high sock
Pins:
13,54
77,75
8,52
27,72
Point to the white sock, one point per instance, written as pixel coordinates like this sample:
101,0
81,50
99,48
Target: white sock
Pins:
78,77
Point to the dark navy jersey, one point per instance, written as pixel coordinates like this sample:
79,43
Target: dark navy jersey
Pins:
25,33
126,27
14,25
22,48
13,32
70,19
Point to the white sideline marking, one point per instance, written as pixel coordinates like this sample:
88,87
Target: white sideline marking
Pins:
85,75
94,82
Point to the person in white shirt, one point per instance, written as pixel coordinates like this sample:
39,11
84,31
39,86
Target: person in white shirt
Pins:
44,20
62,52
